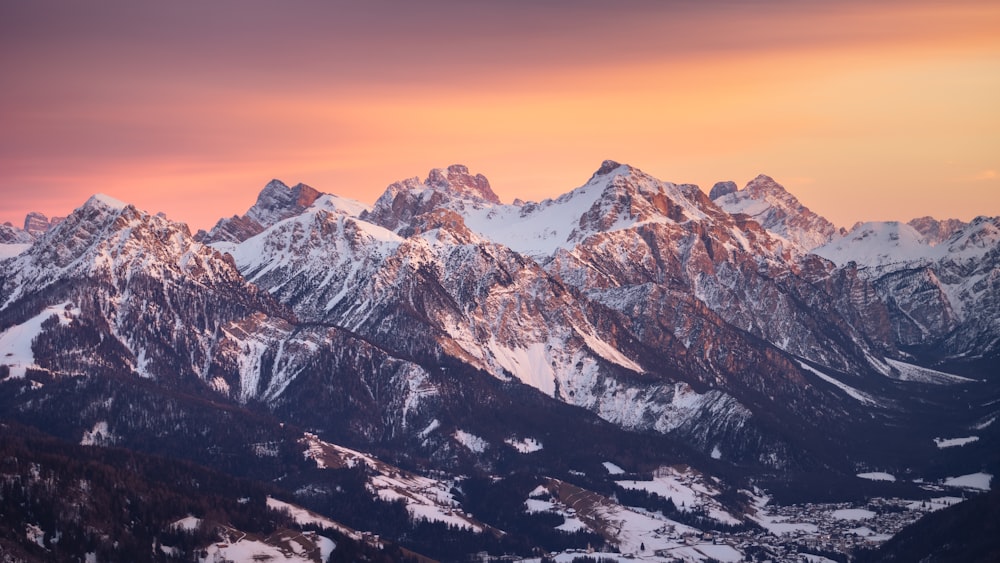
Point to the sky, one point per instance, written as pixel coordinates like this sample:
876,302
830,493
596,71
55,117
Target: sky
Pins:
864,110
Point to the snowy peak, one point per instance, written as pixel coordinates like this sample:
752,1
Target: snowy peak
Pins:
777,210
630,196
105,201
106,237
877,243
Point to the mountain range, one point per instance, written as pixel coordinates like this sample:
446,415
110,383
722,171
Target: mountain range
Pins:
629,323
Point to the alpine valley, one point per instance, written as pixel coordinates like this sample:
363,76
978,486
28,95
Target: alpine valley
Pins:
634,370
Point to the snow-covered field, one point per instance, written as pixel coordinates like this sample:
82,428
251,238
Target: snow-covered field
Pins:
952,442
15,342
979,481
877,476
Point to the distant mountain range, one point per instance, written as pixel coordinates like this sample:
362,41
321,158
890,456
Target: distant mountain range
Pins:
630,321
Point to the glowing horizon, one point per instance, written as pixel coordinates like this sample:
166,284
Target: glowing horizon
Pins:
863,112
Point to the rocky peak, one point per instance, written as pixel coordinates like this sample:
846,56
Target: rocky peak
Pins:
937,231
37,224
275,203
722,188
9,234
778,211
452,188
457,179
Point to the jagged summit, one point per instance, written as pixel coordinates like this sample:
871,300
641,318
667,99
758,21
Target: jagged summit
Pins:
778,211
456,178
275,202
936,231
453,188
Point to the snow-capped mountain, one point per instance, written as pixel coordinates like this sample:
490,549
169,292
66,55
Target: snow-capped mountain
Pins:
770,204
629,318
275,202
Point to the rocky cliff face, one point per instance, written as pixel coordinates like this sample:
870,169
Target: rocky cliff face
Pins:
942,294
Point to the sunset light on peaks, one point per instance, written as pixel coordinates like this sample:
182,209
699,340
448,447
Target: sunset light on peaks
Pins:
865,111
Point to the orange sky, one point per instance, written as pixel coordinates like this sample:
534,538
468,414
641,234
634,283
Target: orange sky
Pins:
863,110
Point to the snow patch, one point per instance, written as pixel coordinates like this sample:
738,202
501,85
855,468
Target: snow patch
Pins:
106,201
851,391
434,425
979,481
187,524
910,372
471,441
613,469
877,476
687,489
12,250
525,446
99,435
952,442
15,342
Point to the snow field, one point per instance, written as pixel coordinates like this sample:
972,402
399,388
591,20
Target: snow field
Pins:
15,342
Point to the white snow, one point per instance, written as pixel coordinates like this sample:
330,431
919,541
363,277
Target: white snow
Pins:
852,514
434,425
980,481
539,229
424,497
985,424
530,364
686,488
933,504
106,201
303,517
471,441
877,476
877,244
11,250
851,391
716,452
99,435
15,342
910,372
613,469
571,524
525,446
188,524
608,352
952,442
253,550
